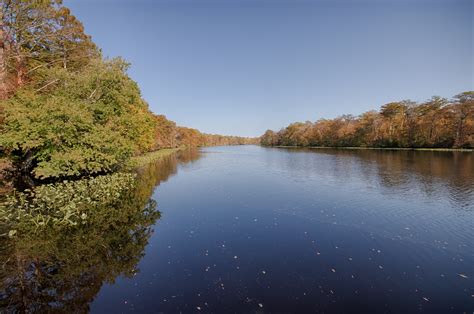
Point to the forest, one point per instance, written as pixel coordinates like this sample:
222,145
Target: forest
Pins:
435,123
65,110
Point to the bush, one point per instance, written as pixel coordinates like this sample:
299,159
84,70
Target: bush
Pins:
64,204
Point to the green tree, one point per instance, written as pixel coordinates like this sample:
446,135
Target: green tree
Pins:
88,122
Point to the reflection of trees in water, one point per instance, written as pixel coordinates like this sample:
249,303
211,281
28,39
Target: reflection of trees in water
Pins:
433,173
188,155
63,271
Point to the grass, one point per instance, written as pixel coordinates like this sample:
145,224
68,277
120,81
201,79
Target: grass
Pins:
142,160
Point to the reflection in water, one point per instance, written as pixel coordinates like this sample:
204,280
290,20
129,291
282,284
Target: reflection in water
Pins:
252,229
63,271
430,172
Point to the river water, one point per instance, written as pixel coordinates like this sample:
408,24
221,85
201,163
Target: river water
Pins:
253,229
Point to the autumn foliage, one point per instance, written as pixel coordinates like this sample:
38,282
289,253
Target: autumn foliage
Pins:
436,123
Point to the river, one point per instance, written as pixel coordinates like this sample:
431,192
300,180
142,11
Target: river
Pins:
253,229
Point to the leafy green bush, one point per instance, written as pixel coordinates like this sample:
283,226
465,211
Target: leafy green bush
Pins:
89,122
65,204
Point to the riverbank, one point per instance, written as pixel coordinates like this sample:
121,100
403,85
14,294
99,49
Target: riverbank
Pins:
467,150
142,160
71,203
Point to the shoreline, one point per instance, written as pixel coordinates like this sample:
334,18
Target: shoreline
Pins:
144,159
464,150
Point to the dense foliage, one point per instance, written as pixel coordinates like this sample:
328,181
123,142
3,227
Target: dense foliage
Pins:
63,204
90,122
66,112
435,123
192,137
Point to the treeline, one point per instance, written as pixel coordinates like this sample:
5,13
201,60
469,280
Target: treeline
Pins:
192,137
65,111
436,123
169,135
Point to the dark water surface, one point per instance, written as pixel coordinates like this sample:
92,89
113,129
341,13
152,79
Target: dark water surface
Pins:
251,229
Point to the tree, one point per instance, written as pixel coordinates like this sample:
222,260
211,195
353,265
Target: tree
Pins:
368,129
463,109
37,34
90,122
166,132
269,138
394,123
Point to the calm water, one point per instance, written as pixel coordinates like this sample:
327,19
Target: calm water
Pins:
251,229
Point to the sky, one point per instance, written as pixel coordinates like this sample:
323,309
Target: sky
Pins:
240,67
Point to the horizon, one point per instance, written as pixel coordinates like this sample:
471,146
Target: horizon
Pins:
240,67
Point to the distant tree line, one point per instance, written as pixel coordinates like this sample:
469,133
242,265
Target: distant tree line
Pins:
436,123
65,111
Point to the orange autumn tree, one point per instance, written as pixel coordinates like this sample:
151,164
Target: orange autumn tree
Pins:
436,123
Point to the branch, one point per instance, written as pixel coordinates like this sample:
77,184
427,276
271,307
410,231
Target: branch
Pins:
52,82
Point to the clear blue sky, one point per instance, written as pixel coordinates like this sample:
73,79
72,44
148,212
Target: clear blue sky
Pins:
241,67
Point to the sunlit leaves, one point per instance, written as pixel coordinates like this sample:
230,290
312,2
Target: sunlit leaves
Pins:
63,204
435,123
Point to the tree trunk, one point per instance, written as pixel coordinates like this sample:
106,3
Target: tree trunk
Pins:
27,162
20,72
3,65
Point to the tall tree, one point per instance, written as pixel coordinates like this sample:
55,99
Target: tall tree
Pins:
36,34
463,108
3,64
